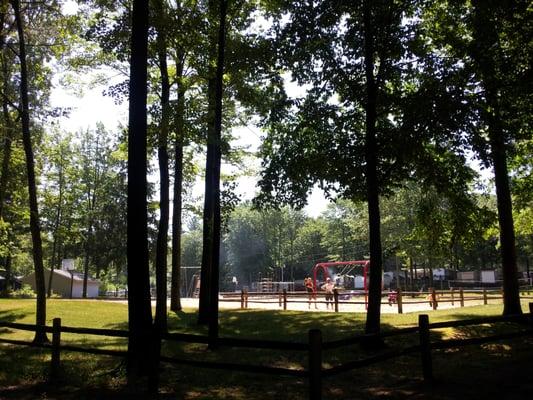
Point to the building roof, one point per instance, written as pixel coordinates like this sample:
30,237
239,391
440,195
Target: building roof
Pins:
77,276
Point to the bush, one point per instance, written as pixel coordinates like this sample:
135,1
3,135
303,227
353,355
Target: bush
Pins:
25,292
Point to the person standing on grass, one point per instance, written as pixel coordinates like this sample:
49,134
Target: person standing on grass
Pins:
328,287
310,288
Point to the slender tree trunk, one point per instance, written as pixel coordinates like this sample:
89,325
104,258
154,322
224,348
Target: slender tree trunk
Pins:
208,217
175,296
6,160
371,150
486,39
57,223
412,287
139,308
86,262
91,207
215,269
32,186
8,124
162,152
8,138
511,297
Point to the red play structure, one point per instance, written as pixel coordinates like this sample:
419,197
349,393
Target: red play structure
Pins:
325,265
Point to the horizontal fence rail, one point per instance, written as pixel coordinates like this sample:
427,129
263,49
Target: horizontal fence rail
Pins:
399,298
315,371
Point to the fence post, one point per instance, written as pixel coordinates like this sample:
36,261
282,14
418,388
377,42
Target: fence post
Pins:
280,296
285,299
462,297
336,299
453,302
485,301
315,364
399,301
425,347
435,304
246,299
242,298
56,343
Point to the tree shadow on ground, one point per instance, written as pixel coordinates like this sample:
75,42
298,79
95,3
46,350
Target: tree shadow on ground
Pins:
488,371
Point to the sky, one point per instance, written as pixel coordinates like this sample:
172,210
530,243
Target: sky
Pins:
90,106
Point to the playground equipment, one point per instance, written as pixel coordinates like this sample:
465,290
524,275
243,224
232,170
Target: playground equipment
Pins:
347,267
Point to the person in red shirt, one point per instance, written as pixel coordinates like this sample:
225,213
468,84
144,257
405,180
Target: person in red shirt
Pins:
310,288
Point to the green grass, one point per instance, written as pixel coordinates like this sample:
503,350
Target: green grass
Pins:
23,371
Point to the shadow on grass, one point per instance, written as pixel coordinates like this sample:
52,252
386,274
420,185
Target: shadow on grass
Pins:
491,367
11,316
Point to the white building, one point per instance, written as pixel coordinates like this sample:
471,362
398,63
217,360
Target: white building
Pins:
68,284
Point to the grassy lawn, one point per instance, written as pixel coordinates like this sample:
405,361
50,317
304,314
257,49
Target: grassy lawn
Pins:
498,369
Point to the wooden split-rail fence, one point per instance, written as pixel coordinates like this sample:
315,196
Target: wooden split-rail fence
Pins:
315,371
397,298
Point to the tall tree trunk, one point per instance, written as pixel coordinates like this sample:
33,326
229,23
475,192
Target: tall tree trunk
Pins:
162,234
412,282
8,129
486,43
8,138
215,268
371,150
208,217
511,290
32,187
91,207
139,308
57,223
175,296
207,244
86,262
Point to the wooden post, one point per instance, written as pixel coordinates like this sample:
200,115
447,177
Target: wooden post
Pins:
453,302
315,364
242,298
285,299
462,297
485,300
246,299
399,301
435,304
56,350
280,296
336,299
425,347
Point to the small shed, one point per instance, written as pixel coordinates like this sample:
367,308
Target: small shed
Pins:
68,284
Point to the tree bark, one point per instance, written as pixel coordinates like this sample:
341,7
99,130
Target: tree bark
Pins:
8,127
139,308
57,223
371,151
215,269
8,138
511,290
208,216
175,296
35,228
485,47
162,152
206,275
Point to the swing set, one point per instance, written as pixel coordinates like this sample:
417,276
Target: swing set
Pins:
345,268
